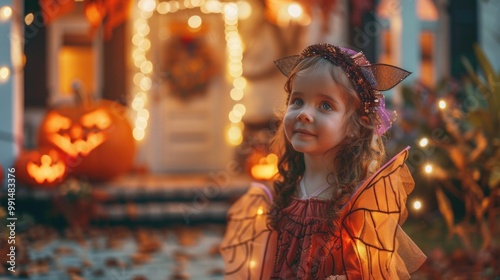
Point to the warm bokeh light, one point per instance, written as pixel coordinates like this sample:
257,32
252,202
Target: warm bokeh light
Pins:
266,169
260,211
231,13
295,10
234,68
212,6
428,168
137,104
138,134
163,8
28,19
442,104
272,158
236,94
143,30
239,83
143,113
147,5
423,142
146,67
234,135
194,22
4,74
244,10
417,205
146,84
240,108
141,123
196,3
234,117
5,13
145,45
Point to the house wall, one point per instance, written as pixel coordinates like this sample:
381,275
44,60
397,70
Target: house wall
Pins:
489,30
11,97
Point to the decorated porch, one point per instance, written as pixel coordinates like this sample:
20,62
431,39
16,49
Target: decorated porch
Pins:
128,128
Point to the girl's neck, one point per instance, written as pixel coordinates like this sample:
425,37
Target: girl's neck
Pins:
317,166
316,172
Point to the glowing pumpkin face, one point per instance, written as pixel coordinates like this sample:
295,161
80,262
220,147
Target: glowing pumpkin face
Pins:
80,138
97,138
44,167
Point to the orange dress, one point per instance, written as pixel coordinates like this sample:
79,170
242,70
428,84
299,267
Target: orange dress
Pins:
369,242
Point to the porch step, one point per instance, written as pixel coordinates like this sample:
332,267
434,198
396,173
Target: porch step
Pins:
150,199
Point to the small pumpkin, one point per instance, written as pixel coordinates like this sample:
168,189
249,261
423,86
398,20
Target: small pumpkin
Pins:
96,137
42,167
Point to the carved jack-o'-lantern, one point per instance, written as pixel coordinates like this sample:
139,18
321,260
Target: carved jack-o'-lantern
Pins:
42,167
96,137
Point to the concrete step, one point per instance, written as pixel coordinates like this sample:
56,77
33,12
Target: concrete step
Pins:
150,198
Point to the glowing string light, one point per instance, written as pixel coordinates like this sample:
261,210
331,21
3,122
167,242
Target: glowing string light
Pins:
428,168
442,104
295,10
417,205
142,82
5,13
423,142
231,13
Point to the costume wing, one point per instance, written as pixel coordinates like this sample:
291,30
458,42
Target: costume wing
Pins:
248,236
373,244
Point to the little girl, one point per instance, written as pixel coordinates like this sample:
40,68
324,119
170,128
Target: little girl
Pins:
335,210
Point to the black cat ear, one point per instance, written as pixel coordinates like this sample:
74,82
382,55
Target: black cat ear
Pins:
383,76
286,64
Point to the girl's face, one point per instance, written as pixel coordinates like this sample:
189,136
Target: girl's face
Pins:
314,120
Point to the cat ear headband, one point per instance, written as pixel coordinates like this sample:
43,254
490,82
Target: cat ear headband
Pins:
367,79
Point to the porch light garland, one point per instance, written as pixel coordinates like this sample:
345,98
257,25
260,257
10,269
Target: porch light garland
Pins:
5,15
234,52
429,168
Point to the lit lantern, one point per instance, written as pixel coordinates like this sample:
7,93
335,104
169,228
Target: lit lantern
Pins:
96,137
42,167
266,168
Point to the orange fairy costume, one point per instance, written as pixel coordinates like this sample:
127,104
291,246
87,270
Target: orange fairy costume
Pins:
369,242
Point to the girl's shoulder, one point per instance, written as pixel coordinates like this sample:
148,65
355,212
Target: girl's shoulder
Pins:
261,188
257,199
390,185
396,166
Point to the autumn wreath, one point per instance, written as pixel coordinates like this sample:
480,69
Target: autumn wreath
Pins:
190,65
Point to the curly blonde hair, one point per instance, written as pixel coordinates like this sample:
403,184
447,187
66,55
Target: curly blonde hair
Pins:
357,158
